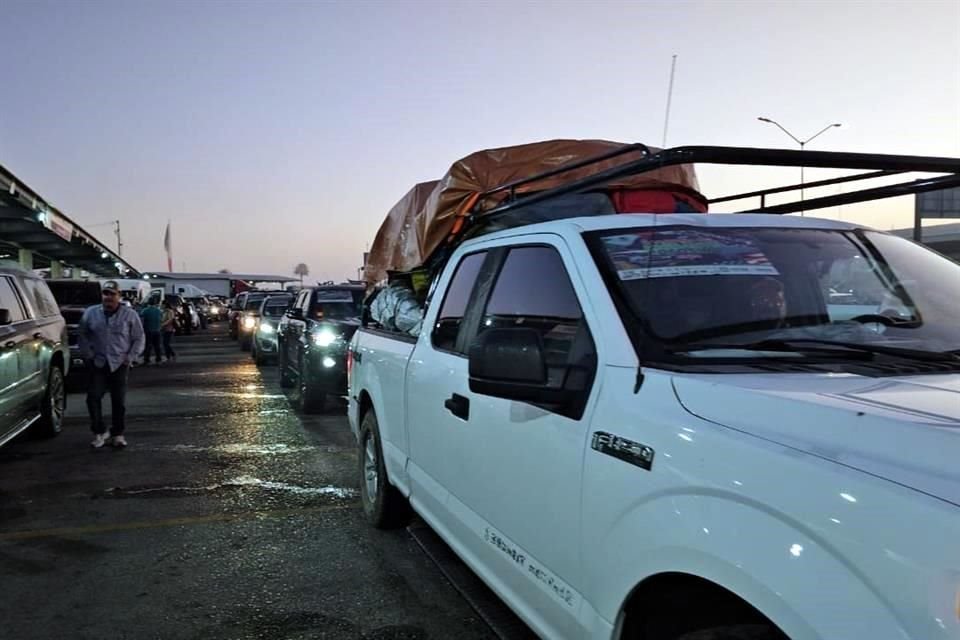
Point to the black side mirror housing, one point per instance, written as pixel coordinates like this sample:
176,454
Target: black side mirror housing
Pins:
510,364
5,318
295,313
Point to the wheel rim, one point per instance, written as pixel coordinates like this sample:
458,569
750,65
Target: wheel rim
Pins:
57,400
370,473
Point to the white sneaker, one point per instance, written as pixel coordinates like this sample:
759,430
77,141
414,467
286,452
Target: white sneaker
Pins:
99,440
118,442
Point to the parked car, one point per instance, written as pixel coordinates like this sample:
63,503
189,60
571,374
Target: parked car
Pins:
73,298
247,317
264,344
652,426
34,356
313,339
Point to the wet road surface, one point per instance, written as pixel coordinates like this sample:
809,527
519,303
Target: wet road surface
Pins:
228,516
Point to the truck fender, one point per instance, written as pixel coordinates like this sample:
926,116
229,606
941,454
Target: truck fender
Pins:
785,570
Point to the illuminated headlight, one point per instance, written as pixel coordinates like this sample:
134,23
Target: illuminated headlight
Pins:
266,328
215,310
324,338
249,322
329,363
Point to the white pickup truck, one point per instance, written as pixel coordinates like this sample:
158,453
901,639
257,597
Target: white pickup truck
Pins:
682,426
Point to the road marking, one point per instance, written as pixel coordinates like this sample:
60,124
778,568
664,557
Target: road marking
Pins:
66,532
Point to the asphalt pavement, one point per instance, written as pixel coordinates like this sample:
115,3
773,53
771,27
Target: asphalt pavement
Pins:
228,516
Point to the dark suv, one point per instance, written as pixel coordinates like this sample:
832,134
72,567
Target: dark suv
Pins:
312,342
34,356
73,297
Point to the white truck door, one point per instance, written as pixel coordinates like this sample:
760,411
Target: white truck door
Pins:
514,470
435,378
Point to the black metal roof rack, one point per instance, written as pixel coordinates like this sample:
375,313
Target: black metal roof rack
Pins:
877,165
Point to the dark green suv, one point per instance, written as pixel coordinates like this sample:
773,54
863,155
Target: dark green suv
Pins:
312,340
34,356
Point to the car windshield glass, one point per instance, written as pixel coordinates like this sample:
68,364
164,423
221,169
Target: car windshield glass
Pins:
338,304
276,309
253,303
75,293
696,289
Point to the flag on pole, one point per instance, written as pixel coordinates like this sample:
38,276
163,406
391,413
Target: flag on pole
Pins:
167,246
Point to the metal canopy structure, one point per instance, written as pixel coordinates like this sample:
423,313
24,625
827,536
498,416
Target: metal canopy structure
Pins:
29,223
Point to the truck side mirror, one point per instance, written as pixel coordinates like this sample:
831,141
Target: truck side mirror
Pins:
510,364
5,318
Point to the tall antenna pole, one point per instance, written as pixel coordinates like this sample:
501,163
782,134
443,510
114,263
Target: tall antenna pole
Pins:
119,241
666,118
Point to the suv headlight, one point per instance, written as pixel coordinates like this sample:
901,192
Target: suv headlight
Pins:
324,338
266,328
249,322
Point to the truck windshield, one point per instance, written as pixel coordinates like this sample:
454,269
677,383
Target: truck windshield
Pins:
275,309
696,290
338,304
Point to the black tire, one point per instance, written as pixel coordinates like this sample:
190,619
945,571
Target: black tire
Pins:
737,632
385,507
54,404
311,400
287,381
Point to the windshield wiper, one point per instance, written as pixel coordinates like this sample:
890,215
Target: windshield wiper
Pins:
814,346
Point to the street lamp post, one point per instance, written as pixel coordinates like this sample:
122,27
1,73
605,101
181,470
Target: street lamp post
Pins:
802,143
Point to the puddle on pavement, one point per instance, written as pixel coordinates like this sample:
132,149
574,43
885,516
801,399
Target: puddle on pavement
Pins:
245,394
239,482
241,449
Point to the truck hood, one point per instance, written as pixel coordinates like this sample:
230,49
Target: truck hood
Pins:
904,429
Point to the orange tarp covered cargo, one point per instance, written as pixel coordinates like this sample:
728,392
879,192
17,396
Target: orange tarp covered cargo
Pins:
432,213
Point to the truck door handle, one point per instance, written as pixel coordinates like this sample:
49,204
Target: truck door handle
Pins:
37,335
458,406
10,344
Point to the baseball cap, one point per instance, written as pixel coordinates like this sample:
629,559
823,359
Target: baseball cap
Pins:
110,285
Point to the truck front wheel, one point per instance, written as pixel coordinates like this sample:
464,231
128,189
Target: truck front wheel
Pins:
384,505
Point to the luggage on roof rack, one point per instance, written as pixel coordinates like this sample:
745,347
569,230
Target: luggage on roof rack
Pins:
436,213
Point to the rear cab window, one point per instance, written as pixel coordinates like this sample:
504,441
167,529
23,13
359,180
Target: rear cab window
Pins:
454,306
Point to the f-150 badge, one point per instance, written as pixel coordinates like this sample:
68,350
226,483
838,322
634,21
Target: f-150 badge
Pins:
627,450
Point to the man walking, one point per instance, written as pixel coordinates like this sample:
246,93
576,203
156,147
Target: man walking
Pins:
152,319
111,337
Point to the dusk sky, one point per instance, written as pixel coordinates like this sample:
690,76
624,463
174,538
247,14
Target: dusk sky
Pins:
272,133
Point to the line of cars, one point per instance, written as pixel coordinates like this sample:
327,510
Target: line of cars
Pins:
306,334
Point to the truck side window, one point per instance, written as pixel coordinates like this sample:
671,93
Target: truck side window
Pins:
40,298
454,306
10,301
534,291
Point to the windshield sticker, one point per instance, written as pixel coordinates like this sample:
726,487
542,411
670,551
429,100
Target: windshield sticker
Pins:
672,253
334,296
